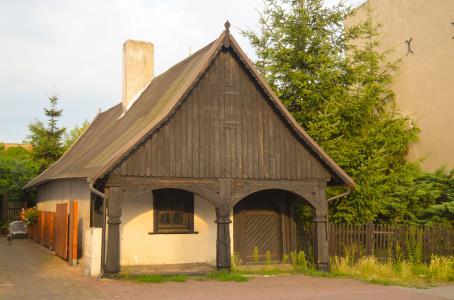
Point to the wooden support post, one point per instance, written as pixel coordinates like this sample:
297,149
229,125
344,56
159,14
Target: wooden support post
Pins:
321,246
114,196
223,259
73,232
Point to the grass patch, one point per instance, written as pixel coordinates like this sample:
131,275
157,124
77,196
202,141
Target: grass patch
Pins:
234,275
155,278
265,270
439,271
215,275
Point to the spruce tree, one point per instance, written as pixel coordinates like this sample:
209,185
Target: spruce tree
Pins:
337,85
73,134
47,139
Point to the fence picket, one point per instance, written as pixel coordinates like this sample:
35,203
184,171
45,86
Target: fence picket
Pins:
382,240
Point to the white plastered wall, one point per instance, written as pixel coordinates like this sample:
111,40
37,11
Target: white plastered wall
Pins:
62,191
138,247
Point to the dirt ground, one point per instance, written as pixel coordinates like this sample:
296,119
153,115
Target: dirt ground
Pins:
29,271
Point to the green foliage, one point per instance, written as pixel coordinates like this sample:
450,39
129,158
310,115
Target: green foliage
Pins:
255,254
16,169
285,258
72,136
337,85
439,207
47,139
155,278
439,271
414,246
31,215
268,257
304,213
236,260
224,275
298,260
399,257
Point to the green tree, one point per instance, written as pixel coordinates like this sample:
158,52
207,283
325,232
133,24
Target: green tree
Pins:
336,84
440,207
17,167
72,136
47,139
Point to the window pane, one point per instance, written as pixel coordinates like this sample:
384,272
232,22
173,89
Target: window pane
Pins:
164,218
178,218
173,210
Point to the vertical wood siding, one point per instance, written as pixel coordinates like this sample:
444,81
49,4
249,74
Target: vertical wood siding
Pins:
226,128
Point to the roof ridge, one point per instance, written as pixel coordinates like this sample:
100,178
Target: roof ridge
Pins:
153,108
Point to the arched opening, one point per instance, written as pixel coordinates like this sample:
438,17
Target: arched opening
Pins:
266,225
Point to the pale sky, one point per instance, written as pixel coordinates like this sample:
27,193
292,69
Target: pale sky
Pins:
74,49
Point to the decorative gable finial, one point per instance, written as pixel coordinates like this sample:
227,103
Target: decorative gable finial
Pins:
227,26
227,34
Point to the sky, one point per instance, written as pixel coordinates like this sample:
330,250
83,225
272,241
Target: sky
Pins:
73,49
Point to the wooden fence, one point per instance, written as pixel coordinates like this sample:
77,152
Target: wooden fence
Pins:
53,228
10,210
383,241
44,230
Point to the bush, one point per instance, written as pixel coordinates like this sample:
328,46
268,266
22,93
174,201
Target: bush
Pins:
298,260
31,216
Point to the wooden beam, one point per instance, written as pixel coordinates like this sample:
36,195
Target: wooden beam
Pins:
205,188
223,255
307,189
114,196
321,246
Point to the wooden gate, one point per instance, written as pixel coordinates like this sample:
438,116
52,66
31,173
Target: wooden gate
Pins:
257,226
61,231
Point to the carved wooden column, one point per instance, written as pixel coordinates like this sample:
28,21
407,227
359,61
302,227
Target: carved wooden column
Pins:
223,259
114,196
321,255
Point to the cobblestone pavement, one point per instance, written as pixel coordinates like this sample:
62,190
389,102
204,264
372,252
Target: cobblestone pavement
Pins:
29,271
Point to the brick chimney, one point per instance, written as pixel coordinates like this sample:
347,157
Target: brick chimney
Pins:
138,70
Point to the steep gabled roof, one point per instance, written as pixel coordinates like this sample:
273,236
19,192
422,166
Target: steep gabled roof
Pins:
112,135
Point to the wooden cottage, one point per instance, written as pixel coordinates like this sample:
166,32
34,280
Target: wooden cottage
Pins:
206,162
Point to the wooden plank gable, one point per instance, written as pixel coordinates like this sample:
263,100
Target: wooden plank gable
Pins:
225,128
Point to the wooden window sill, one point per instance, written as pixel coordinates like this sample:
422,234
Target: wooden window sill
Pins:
175,232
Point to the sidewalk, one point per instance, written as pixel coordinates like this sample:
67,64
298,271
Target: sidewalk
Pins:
30,271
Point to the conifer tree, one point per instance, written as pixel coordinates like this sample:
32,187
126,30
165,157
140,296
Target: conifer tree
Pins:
47,139
337,85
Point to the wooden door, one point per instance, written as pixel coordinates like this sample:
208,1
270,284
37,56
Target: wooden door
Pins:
257,225
61,231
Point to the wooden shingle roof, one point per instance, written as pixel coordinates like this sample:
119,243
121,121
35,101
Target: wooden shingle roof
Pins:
113,134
